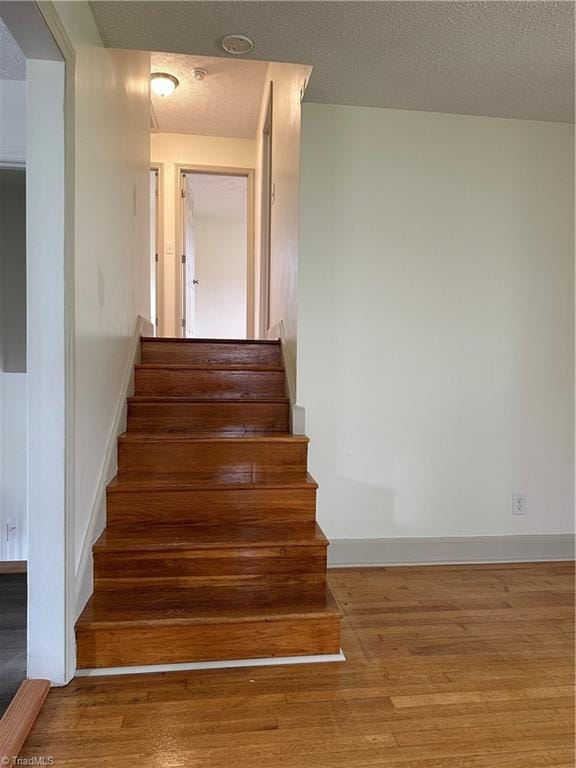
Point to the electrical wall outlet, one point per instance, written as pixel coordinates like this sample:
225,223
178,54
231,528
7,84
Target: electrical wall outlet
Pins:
518,504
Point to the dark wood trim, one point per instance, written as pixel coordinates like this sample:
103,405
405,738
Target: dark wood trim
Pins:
20,716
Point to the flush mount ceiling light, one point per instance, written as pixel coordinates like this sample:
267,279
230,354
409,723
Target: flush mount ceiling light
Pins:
237,45
163,84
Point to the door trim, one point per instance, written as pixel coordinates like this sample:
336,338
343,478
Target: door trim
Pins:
265,234
159,168
216,170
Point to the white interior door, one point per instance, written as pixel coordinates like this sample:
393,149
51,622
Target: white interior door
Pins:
154,248
189,281
215,271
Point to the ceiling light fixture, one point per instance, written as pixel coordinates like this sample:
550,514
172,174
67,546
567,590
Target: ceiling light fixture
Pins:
237,45
163,84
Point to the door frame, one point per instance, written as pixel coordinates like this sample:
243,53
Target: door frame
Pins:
215,170
50,317
266,203
159,168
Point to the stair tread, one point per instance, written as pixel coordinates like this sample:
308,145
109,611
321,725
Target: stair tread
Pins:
232,367
211,437
180,340
228,480
208,536
258,400
206,605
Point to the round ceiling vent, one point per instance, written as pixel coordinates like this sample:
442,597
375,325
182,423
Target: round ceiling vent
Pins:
237,45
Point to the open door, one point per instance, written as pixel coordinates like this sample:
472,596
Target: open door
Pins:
216,258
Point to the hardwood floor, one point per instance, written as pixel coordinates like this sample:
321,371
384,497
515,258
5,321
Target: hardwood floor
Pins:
447,667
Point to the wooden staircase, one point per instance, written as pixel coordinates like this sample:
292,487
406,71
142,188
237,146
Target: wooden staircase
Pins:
211,550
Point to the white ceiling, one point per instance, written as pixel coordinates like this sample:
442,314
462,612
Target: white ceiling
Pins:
220,196
12,60
507,58
235,88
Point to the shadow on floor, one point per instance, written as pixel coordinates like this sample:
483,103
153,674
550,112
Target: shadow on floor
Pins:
12,635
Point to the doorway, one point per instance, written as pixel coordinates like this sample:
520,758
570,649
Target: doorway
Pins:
48,429
13,458
216,254
156,254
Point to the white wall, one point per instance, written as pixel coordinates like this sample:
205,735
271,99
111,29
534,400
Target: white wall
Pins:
12,122
220,254
435,333
288,85
112,265
171,150
50,559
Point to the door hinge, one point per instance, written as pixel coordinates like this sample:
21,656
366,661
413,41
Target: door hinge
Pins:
183,258
182,193
183,323
156,258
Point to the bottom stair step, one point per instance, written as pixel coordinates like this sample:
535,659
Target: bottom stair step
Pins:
169,626
193,555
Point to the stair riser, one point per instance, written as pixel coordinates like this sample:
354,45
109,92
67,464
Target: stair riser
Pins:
206,353
206,459
114,647
214,566
211,506
171,382
198,418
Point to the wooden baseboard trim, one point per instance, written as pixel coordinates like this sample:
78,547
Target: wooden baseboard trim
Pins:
19,718
347,553
200,665
13,566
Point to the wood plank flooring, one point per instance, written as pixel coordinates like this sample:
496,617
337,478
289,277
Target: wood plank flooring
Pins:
447,667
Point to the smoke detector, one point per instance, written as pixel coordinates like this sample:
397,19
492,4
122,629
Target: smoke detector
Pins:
198,73
237,45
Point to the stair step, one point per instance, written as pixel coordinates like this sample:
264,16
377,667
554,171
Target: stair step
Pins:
187,555
189,415
234,499
209,456
163,626
211,351
191,381
202,536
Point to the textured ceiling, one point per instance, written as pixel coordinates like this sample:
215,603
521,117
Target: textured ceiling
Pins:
226,103
504,59
221,196
12,61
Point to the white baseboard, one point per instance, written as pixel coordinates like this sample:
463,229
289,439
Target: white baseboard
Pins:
198,665
84,576
346,553
297,412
